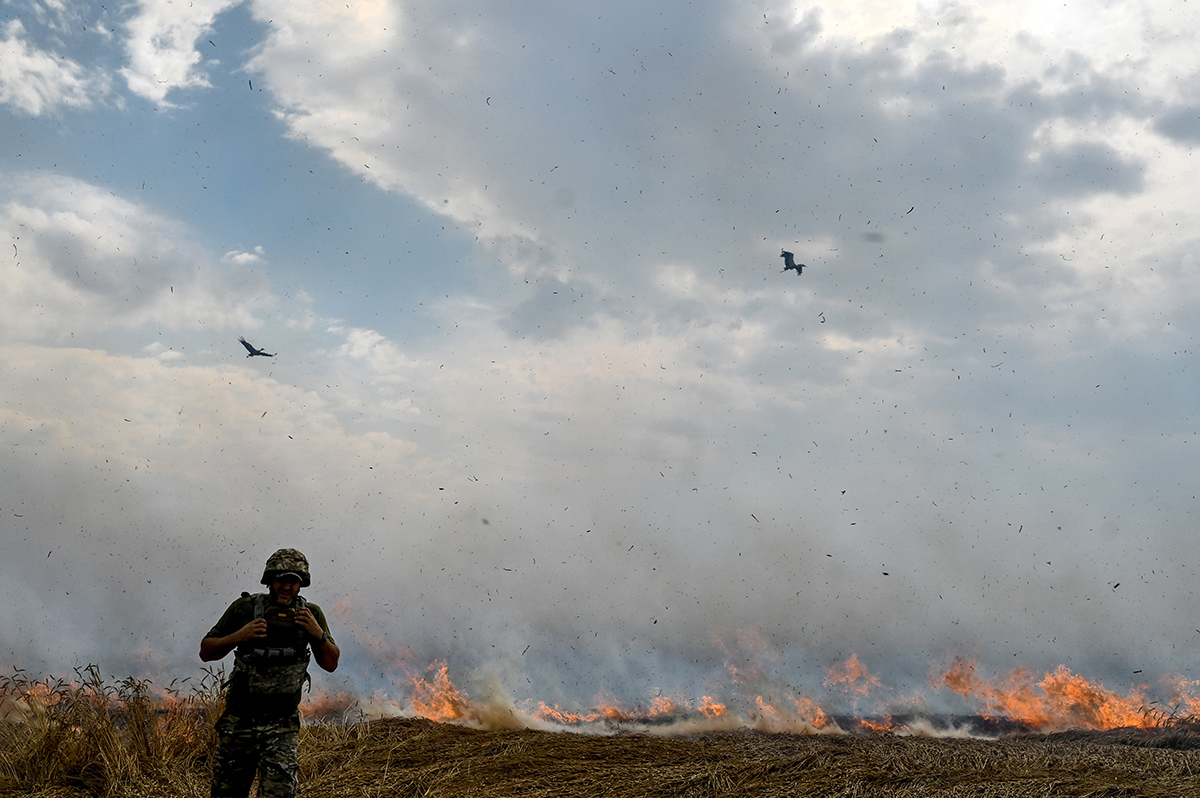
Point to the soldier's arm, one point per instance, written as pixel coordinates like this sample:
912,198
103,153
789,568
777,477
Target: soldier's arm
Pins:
326,653
212,648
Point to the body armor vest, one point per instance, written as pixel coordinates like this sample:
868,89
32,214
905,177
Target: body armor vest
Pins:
269,673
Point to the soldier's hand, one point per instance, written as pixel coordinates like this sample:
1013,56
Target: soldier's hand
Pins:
308,622
254,630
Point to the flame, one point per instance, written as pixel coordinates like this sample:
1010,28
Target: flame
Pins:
436,698
440,700
614,714
663,707
606,713
710,708
885,726
556,715
1060,700
811,713
662,710
1182,696
806,717
853,677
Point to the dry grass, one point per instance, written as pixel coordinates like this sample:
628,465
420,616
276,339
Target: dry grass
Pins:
419,758
84,738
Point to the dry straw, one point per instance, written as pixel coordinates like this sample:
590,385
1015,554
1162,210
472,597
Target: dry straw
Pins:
84,736
419,758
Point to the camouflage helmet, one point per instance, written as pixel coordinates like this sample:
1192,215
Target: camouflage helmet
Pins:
287,561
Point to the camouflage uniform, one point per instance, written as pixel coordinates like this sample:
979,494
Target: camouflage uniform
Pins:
259,731
246,747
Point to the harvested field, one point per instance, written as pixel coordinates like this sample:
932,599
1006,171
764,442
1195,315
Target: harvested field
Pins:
417,757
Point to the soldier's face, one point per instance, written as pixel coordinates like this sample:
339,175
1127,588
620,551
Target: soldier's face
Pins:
284,590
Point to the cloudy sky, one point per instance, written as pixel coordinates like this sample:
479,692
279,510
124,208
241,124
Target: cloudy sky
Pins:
544,405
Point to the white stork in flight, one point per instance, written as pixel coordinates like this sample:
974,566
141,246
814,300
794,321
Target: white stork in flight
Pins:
790,263
250,348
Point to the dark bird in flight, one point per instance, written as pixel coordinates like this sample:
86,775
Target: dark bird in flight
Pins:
790,263
250,348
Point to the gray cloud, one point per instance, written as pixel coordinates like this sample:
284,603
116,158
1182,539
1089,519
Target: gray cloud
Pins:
1181,124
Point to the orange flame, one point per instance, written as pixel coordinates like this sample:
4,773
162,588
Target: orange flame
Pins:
605,712
662,707
710,708
812,714
1061,699
885,726
853,677
613,714
807,716
556,715
1182,696
440,700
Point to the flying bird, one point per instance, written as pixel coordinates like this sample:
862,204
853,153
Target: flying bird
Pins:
250,348
790,263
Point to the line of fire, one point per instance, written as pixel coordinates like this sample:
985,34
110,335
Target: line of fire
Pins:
1019,701
1016,702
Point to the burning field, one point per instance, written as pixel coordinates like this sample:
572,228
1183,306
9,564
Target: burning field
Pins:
1058,735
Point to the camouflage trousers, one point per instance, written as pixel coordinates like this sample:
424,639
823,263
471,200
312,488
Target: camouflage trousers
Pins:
246,747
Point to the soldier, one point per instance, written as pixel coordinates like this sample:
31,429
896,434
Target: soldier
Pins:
273,633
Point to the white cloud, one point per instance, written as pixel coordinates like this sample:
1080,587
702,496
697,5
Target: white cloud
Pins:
241,258
36,81
161,44
162,353
1030,40
83,260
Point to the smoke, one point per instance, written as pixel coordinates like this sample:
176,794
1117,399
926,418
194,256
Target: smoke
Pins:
605,458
